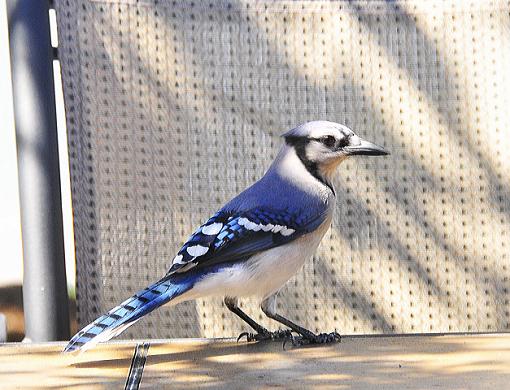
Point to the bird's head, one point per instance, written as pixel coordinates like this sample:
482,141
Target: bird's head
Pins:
322,145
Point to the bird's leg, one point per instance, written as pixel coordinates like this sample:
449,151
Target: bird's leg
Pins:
262,333
268,306
231,304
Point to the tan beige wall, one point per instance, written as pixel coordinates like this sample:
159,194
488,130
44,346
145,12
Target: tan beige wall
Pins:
175,106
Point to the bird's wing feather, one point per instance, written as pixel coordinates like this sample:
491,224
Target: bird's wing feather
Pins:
231,236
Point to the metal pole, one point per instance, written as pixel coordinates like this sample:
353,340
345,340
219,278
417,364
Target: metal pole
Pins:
44,280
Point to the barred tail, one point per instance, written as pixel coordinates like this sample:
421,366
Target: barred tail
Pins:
127,313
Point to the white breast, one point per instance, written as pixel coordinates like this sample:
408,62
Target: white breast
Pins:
263,274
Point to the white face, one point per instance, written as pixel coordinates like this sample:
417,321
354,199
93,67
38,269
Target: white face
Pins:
326,143
322,145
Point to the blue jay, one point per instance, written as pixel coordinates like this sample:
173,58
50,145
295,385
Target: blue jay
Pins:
256,242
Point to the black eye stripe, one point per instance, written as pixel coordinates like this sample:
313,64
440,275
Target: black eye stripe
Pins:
343,142
330,141
327,140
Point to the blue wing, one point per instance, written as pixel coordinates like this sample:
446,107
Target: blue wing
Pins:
231,236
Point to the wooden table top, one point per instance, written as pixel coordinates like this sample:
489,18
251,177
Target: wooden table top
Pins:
412,362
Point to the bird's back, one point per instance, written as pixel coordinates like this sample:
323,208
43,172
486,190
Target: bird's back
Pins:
285,186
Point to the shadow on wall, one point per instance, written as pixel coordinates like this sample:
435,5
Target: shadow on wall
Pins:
411,236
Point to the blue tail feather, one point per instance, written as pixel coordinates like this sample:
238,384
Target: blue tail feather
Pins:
128,312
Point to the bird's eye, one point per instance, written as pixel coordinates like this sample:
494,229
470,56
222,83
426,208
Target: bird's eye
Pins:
328,140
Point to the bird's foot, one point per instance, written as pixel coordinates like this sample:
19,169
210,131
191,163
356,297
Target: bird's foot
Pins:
321,338
285,334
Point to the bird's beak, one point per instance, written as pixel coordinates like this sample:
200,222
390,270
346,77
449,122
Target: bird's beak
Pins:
365,148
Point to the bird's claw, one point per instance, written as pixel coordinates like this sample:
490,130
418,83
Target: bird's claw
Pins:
325,338
292,340
280,334
276,335
248,336
322,338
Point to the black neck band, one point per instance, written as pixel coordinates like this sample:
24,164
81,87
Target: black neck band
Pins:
299,145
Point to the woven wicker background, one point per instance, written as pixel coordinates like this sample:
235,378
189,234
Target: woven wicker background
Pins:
173,107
